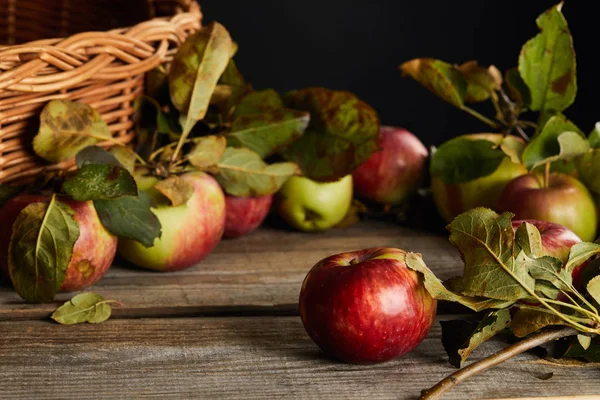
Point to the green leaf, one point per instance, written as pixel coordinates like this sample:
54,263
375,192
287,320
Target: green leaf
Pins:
584,341
67,127
592,353
207,151
462,160
526,321
342,133
40,249
130,217
7,192
459,346
243,173
125,157
594,137
581,253
95,155
588,169
485,240
559,139
269,132
234,79
176,189
547,269
258,102
513,147
481,82
439,77
84,307
517,88
438,291
547,63
100,182
529,240
593,288
201,59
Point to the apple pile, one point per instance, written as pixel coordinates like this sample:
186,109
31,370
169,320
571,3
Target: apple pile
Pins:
545,169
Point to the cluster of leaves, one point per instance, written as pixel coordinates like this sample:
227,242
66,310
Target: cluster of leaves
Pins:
520,288
544,82
202,115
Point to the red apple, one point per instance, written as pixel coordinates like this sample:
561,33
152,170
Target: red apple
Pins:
244,214
93,252
366,306
564,201
190,231
395,172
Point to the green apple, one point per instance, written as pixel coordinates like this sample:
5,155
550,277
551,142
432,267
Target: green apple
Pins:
454,199
312,206
189,231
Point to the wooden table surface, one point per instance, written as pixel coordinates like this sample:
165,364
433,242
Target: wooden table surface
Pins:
228,328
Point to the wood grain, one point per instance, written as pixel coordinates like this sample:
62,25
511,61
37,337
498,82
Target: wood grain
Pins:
261,272
241,357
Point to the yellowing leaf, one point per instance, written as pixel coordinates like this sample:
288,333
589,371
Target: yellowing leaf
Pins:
581,253
513,147
439,77
481,81
529,240
67,127
527,321
593,288
85,307
584,341
176,189
243,173
207,151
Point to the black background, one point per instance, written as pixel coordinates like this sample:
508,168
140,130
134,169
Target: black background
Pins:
358,45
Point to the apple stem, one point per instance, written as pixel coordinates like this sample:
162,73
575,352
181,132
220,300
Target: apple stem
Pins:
546,175
481,117
522,133
437,391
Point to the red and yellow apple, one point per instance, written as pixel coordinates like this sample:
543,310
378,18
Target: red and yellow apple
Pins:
244,214
394,172
564,200
93,252
190,231
454,199
366,306
312,206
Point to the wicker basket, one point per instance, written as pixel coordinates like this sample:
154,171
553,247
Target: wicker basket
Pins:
97,63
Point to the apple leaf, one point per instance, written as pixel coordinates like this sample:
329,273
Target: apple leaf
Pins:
268,132
547,269
222,93
84,307
130,217
517,88
438,291
65,128
584,341
207,151
594,137
588,170
95,155
529,240
591,354
526,321
234,79
342,133
559,139
7,192
481,82
580,253
201,59
547,63
40,249
157,83
150,122
176,189
439,77
462,160
100,182
513,147
459,345
593,288
243,173
485,240
258,102
124,156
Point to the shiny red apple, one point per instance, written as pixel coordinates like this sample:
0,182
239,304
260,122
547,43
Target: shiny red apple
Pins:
244,214
366,306
93,252
394,172
564,200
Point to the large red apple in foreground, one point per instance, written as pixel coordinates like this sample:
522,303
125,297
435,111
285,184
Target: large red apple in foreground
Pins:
366,306
93,252
244,214
395,172
190,231
564,201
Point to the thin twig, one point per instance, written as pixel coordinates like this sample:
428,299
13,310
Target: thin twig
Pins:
522,133
436,392
481,117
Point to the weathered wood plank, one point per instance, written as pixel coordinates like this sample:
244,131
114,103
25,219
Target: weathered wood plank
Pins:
259,272
241,357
